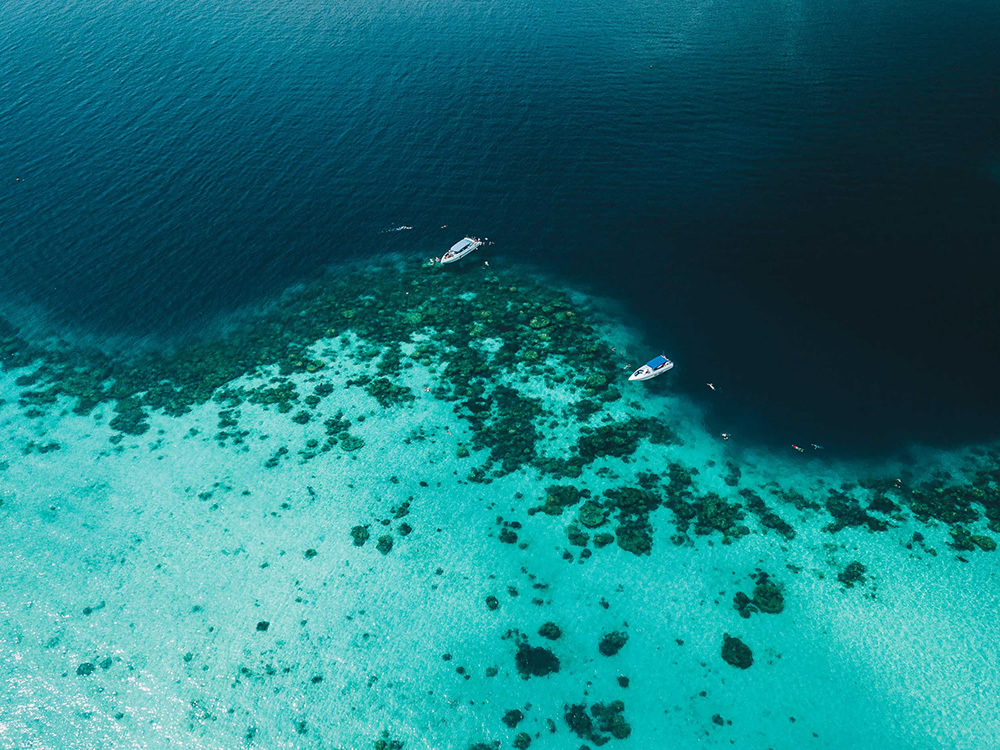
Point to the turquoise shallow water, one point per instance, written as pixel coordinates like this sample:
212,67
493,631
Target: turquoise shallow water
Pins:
356,521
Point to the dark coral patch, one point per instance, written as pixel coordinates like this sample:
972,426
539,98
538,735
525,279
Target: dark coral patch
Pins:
535,661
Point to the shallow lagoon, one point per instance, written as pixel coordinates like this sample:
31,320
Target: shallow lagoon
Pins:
436,514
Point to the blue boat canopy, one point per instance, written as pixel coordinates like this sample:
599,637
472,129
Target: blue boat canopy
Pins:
657,362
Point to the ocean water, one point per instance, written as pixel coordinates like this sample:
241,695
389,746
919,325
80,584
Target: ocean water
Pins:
795,200
271,478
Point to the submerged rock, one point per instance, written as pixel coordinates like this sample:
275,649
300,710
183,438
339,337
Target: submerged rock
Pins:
558,498
961,539
507,535
768,597
351,443
613,642
578,721
577,536
360,535
882,504
620,439
736,652
550,630
384,544
535,661
847,511
603,539
85,669
768,518
592,514
852,574
632,500
947,504
388,393
130,418
965,541
635,536
743,605
513,717
716,514
985,543
608,719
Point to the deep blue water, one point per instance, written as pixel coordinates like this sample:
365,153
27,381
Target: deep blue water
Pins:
799,200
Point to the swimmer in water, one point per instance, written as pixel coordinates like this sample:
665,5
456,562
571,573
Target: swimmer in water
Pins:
726,435
800,450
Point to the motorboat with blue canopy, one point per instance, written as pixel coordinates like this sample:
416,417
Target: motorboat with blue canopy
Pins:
655,366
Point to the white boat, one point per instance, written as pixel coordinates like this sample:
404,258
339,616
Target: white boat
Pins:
655,366
462,248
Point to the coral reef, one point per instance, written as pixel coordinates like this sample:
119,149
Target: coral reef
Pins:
767,596
535,661
736,652
550,631
603,723
853,574
613,642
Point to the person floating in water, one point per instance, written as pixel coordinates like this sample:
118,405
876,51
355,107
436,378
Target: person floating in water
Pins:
710,386
816,447
799,449
726,435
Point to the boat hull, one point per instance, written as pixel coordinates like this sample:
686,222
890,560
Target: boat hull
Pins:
451,257
648,373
